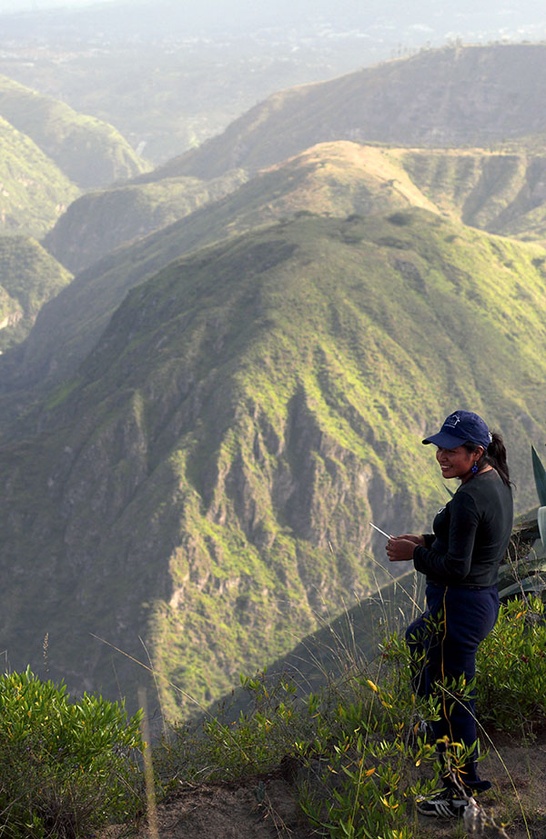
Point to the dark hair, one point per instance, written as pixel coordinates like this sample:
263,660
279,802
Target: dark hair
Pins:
495,456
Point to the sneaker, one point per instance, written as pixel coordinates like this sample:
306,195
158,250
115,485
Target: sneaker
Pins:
445,805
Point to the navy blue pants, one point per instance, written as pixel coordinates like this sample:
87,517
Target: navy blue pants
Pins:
446,636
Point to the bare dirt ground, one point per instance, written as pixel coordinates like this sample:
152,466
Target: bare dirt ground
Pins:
266,808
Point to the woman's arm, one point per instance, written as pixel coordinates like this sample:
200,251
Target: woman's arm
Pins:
453,565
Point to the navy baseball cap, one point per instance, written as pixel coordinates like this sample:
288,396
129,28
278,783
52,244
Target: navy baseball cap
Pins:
461,427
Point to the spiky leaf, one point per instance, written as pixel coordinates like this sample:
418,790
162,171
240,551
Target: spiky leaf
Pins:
540,477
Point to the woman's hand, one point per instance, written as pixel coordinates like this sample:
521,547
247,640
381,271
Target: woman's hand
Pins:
411,537
401,548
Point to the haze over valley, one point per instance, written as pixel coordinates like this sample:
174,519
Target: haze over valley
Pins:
169,75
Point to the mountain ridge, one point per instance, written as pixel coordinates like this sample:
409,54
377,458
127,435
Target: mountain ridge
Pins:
502,192
334,179
89,152
244,415
102,221
469,96
35,192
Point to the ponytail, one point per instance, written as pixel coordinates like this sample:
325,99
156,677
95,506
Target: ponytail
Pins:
496,457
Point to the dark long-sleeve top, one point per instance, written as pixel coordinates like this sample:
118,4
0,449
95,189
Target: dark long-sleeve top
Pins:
471,534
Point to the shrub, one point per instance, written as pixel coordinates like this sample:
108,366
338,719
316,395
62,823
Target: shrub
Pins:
400,219
351,749
369,751
512,668
356,750
219,748
65,767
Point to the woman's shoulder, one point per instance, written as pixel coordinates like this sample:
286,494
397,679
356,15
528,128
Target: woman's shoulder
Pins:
484,487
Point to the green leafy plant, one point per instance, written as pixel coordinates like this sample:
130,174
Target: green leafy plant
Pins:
350,749
512,668
540,476
355,751
65,767
220,748
367,778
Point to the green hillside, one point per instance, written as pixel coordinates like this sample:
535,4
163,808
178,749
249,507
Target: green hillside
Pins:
34,192
333,179
101,221
478,96
500,192
29,277
352,637
503,192
201,492
336,179
89,152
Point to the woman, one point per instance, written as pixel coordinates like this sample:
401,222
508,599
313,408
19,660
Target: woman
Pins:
460,560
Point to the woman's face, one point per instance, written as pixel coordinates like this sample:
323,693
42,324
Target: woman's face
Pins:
457,463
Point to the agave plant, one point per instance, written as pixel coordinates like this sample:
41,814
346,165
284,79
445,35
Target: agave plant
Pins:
524,571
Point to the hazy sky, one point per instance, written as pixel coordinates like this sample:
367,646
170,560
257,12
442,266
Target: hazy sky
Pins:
33,5
411,23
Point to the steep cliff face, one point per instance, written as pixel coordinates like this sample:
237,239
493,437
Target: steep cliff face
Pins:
29,277
198,497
